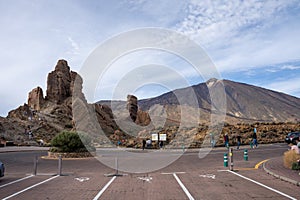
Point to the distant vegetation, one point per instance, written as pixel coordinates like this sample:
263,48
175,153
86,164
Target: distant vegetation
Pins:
71,142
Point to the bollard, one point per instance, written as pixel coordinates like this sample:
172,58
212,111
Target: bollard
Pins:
35,165
246,155
59,165
231,159
225,160
117,165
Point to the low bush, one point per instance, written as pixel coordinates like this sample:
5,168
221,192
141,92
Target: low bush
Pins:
289,158
295,166
68,141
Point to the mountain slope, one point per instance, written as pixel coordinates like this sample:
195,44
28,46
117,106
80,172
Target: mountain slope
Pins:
243,102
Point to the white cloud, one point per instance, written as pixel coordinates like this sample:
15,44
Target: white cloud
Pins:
244,34
75,47
290,67
281,67
291,86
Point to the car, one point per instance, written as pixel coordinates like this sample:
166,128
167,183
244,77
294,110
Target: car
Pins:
2,169
292,137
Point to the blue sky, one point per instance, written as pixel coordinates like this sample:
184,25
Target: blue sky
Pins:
255,42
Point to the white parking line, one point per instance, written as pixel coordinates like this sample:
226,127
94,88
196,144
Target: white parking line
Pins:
166,173
258,183
21,179
104,188
188,194
15,194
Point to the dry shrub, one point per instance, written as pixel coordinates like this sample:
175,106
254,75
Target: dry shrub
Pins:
289,158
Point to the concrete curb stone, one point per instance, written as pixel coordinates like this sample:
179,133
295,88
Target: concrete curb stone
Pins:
281,177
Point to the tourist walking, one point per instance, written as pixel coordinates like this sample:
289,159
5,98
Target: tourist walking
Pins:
212,140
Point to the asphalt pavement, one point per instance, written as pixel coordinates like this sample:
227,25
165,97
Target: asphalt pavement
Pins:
273,166
183,179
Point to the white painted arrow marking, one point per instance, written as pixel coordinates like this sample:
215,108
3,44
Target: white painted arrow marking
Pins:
212,176
147,179
82,179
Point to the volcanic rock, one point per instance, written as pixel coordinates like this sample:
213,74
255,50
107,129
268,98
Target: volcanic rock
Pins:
140,117
59,83
22,112
46,117
132,106
36,98
143,118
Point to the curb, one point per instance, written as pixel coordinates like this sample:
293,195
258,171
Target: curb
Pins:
22,149
280,177
50,158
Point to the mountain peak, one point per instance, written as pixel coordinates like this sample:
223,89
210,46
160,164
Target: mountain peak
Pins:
211,82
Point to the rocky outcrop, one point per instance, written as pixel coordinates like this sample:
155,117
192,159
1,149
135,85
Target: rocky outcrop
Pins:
36,99
60,83
132,106
46,117
140,117
22,112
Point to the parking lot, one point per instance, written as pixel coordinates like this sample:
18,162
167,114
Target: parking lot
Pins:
187,178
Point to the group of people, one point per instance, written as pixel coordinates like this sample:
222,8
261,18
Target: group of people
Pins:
28,132
253,143
148,144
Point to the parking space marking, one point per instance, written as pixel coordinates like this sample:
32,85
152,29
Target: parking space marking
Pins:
104,188
166,173
28,188
188,194
21,179
260,184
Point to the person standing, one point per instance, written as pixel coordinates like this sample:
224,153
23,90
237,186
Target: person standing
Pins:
226,140
212,140
254,138
239,141
144,144
161,144
30,135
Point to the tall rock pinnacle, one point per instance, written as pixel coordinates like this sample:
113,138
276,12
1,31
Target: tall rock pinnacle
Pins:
60,83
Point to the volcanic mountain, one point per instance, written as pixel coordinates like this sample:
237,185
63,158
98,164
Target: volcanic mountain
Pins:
242,102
